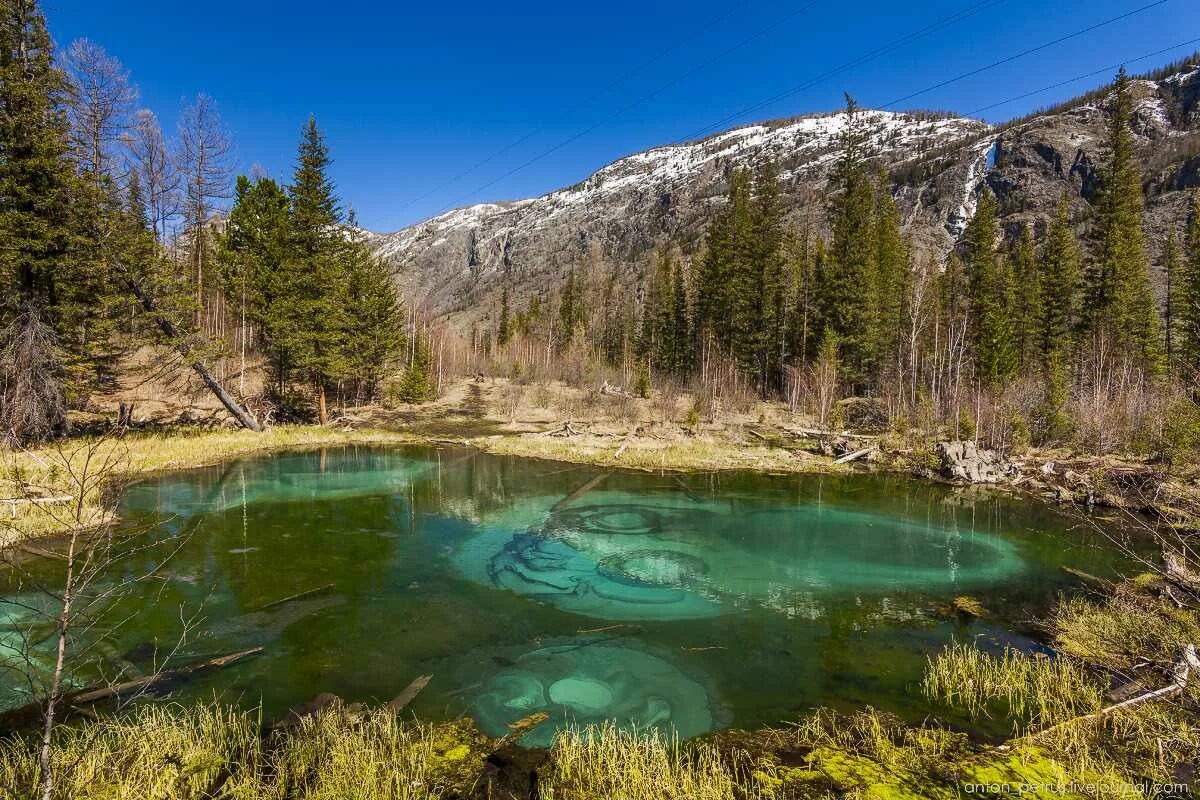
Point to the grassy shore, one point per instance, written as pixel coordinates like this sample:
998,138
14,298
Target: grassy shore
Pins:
61,470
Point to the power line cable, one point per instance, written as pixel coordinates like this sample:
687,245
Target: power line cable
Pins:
1023,53
863,59
1094,73
598,94
625,109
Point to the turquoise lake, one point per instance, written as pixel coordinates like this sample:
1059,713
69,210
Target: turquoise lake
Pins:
682,602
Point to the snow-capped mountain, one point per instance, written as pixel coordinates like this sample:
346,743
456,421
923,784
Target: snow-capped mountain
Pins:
456,263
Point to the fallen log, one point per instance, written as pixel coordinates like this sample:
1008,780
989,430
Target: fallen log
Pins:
580,492
13,502
298,596
400,701
149,681
857,454
1181,673
1088,577
31,712
823,433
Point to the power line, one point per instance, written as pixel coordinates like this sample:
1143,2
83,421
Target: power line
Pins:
1023,53
863,59
575,137
599,93
1101,71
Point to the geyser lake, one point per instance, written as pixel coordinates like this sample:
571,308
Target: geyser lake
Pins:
682,602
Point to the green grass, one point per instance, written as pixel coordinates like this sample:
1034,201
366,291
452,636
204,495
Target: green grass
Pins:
1033,691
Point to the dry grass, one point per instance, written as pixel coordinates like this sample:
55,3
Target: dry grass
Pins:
1033,691
607,762
48,471
159,753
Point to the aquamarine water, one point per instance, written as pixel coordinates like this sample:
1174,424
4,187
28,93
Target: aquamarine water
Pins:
685,603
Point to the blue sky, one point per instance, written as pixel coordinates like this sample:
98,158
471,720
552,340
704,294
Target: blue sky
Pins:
412,95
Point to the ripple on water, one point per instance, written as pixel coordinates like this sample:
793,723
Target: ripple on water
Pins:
675,559
580,682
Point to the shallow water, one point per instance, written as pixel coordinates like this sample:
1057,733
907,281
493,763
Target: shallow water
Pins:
689,603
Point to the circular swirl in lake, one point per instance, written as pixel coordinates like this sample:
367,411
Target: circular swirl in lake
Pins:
655,567
582,682
628,520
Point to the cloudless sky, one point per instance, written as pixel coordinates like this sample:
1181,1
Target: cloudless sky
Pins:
410,95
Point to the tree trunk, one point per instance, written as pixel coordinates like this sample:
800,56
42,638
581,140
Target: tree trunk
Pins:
168,328
322,411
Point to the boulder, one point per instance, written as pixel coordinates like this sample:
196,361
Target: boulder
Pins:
965,461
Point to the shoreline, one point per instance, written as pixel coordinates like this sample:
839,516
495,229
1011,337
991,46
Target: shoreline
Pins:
646,448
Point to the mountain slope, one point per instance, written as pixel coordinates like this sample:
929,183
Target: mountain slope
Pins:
456,263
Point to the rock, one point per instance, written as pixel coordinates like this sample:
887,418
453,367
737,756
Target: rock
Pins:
964,461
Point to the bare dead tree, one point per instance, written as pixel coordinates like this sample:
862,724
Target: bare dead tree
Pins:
33,406
205,149
65,622
100,99
157,169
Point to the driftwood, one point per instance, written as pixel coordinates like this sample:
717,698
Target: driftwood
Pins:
624,443
565,431
857,454
400,701
13,502
1181,673
298,596
609,388
522,727
820,434
1087,577
580,492
25,714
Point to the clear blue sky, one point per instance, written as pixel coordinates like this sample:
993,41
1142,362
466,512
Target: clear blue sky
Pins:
412,94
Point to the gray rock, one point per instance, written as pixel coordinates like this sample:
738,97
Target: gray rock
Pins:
964,461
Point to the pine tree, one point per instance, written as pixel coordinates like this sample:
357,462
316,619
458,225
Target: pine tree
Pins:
844,299
503,332
992,341
892,275
1189,297
313,276
372,316
570,307
252,257
1172,305
1120,301
1026,307
417,384
681,334
1060,284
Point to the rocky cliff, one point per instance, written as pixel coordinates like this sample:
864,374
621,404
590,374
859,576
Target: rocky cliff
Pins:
458,262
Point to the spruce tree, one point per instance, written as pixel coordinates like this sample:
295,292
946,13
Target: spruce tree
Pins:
1121,303
991,328
372,317
681,334
1026,307
1189,298
1172,305
846,306
503,332
313,275
892,274
1060,284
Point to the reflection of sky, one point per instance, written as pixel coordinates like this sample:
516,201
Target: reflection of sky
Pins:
579,682
629,557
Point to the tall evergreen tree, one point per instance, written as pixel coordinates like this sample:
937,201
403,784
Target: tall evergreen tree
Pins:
845,303
1189,297
1026,291
992,341
1172,305
313,275
503,326
1061,277
892,274
1120,301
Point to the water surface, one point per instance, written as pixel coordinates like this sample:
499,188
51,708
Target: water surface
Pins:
686,603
